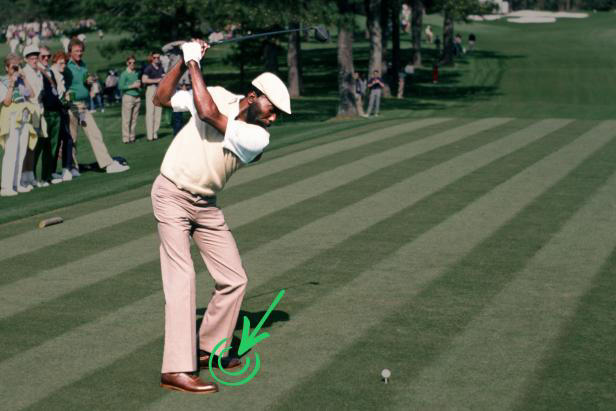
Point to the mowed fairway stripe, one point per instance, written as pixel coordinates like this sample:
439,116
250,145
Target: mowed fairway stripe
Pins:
104,295
23,294
287,140
500,349
92,242
262,205
340,345
291,160
577,369
413,330
68,309
36,239
389,200
279,257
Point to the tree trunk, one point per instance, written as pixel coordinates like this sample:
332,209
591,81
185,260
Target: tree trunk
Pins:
373,21
270,55
346,85
566,5
384,28
448,46
417,11
395,44
385,13
242,63
294,63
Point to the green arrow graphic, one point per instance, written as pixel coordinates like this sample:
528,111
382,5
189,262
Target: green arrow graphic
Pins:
250,340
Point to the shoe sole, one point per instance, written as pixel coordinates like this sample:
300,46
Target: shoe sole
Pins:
174,388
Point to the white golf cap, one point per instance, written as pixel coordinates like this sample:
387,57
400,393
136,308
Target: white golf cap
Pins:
275,90
31,49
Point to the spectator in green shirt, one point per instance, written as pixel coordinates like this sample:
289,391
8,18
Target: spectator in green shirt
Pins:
76,74
130,85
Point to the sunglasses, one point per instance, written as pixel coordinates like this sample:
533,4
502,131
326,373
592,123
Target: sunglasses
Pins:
131,62
45,56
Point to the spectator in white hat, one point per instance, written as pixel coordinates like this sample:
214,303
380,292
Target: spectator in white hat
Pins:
32,72
226,132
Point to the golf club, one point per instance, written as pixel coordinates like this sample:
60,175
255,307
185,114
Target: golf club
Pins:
320,34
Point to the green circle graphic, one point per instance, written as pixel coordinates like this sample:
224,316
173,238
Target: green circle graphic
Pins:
232,373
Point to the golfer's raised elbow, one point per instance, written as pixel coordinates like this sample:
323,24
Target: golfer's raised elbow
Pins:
207,112
214,118
159,101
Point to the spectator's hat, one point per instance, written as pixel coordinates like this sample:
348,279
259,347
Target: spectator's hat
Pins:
31,49
275,90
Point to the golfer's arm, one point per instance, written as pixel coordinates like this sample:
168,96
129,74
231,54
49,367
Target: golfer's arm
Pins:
204,103
166,87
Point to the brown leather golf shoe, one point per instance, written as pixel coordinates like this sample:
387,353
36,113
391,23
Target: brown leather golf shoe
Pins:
185,382
228,363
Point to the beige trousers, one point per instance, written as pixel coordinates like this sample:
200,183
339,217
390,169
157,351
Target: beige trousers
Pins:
181,215
80,116
130,112
152,113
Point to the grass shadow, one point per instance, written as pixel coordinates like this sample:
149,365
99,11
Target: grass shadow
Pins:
254,317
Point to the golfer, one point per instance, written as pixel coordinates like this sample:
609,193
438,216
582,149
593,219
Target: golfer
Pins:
226,131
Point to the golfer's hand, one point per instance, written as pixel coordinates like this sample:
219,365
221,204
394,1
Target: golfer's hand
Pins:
203,44
192,51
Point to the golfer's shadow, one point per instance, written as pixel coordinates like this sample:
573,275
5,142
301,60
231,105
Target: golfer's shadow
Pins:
274,317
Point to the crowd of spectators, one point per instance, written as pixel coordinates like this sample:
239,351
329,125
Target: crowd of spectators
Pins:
47,97
44,103
19,36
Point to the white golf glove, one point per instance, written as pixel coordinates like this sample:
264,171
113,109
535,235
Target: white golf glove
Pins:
192,51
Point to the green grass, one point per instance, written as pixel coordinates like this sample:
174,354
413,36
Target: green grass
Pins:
463,240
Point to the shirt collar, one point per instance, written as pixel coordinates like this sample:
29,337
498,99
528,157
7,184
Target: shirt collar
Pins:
234,106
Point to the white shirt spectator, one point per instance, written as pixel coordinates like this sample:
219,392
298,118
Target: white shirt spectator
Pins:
35,79
65,41
3,91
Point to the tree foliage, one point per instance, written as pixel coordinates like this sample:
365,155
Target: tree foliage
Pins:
154,23
23,11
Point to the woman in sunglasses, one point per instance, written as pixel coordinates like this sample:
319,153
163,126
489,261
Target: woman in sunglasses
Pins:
15,125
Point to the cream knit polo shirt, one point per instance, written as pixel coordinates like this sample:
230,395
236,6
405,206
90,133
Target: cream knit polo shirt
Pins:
200,159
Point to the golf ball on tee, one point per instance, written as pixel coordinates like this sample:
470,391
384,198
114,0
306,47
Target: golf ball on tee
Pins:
386,373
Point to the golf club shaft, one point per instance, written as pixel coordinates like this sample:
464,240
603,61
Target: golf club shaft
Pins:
254,36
